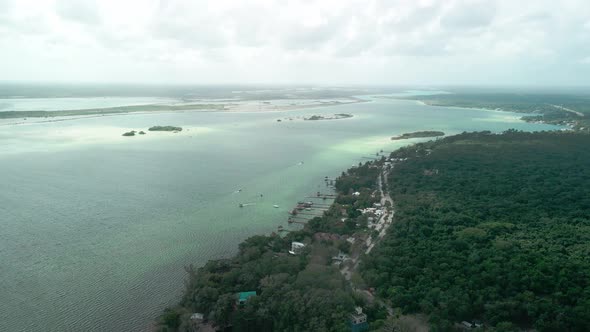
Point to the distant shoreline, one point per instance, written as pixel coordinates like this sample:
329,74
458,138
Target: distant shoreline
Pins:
59,116
544,111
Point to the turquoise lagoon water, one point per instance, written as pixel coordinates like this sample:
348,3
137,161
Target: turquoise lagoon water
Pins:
96,227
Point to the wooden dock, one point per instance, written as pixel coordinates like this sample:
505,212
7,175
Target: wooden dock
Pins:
309,214
292,221
304,211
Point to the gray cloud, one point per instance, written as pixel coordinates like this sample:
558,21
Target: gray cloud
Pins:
302,37
189,26
271,40
469,15
81,11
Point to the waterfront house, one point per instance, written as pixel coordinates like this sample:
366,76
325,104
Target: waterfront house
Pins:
358,320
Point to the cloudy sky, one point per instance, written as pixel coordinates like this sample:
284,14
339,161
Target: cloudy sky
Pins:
491,42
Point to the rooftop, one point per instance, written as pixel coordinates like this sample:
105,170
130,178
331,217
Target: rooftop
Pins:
243,296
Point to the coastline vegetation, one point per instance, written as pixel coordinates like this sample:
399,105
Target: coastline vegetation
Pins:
419,134
492,228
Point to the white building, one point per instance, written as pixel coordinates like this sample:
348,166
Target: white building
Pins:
358,317
296,248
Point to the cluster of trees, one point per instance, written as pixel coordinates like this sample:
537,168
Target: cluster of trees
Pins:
356,178
294,292
165,128
498,233
357,190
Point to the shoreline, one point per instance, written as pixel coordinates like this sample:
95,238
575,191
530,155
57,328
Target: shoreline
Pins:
323,235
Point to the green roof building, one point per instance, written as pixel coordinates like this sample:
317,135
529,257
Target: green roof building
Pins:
244,296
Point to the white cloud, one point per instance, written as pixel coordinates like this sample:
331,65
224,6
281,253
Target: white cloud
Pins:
299,41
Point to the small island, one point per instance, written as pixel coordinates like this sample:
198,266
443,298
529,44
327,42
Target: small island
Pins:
130,133
334,117
419,134
165,128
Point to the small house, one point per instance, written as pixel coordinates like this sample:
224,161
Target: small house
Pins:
341,257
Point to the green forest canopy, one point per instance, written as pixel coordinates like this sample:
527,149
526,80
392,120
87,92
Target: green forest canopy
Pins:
490,227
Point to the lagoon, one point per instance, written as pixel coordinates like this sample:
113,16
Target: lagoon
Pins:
96,227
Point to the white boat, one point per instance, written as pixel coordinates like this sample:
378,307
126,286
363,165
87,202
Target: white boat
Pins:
275,206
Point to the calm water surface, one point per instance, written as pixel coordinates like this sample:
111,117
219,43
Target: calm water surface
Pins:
96,228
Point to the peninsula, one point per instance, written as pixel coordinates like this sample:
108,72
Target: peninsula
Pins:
418,134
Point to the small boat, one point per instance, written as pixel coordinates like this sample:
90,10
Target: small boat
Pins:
275,206
241,205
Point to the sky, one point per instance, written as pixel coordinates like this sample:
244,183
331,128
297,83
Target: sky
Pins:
377,42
